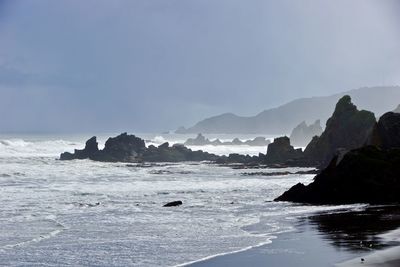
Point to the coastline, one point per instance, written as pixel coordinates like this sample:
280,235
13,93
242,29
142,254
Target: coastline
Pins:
326,239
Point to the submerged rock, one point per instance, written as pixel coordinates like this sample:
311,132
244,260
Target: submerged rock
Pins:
173,204
303,133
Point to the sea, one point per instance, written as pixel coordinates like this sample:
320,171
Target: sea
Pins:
81,212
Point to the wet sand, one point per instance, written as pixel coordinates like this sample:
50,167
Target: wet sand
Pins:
325,239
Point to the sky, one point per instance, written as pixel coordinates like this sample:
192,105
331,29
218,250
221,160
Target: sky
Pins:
154,65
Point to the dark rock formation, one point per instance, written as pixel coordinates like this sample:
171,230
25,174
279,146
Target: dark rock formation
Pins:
200,140
302,133
243,159
173,204
91,148
258,141
281,152
124,148
364,175
369,174
347,129
129,148
386,133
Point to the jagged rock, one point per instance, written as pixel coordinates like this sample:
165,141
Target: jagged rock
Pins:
124,148
173,204
258,141
238,158
91,148
347,129
364,175
302,133
200,140
386,133
281,152
129,148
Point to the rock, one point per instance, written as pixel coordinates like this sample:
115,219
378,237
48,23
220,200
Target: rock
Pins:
386,133
200,140
236,142
281,152
364,175
173,204
347,128
129,148
91,148
302,133
258,141
397,110
124,148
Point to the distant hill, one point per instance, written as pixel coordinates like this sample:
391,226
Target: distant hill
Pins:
282,119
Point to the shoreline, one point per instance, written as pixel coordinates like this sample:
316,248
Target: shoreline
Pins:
325,240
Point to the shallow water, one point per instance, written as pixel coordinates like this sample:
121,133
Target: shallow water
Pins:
110,214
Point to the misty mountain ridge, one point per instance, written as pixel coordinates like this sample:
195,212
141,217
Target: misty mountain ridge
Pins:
282,119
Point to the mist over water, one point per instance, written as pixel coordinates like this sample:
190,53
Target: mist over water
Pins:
110,214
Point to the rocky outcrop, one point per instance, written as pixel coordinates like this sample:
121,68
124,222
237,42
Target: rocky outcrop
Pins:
258,141
348,128
129,148
386,133
281,152
364,175
303,133
91,148
200,140
370,174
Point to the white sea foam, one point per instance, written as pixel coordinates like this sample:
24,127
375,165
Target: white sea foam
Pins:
52,211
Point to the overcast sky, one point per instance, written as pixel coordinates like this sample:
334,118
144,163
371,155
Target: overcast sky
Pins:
153,65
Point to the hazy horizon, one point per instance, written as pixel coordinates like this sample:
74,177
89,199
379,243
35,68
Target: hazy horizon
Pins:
145,66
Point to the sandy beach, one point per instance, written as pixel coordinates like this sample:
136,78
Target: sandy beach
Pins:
338,239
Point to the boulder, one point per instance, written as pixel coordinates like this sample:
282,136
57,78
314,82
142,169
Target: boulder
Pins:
173,204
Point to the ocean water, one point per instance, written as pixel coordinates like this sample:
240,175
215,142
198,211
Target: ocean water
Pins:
110,214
